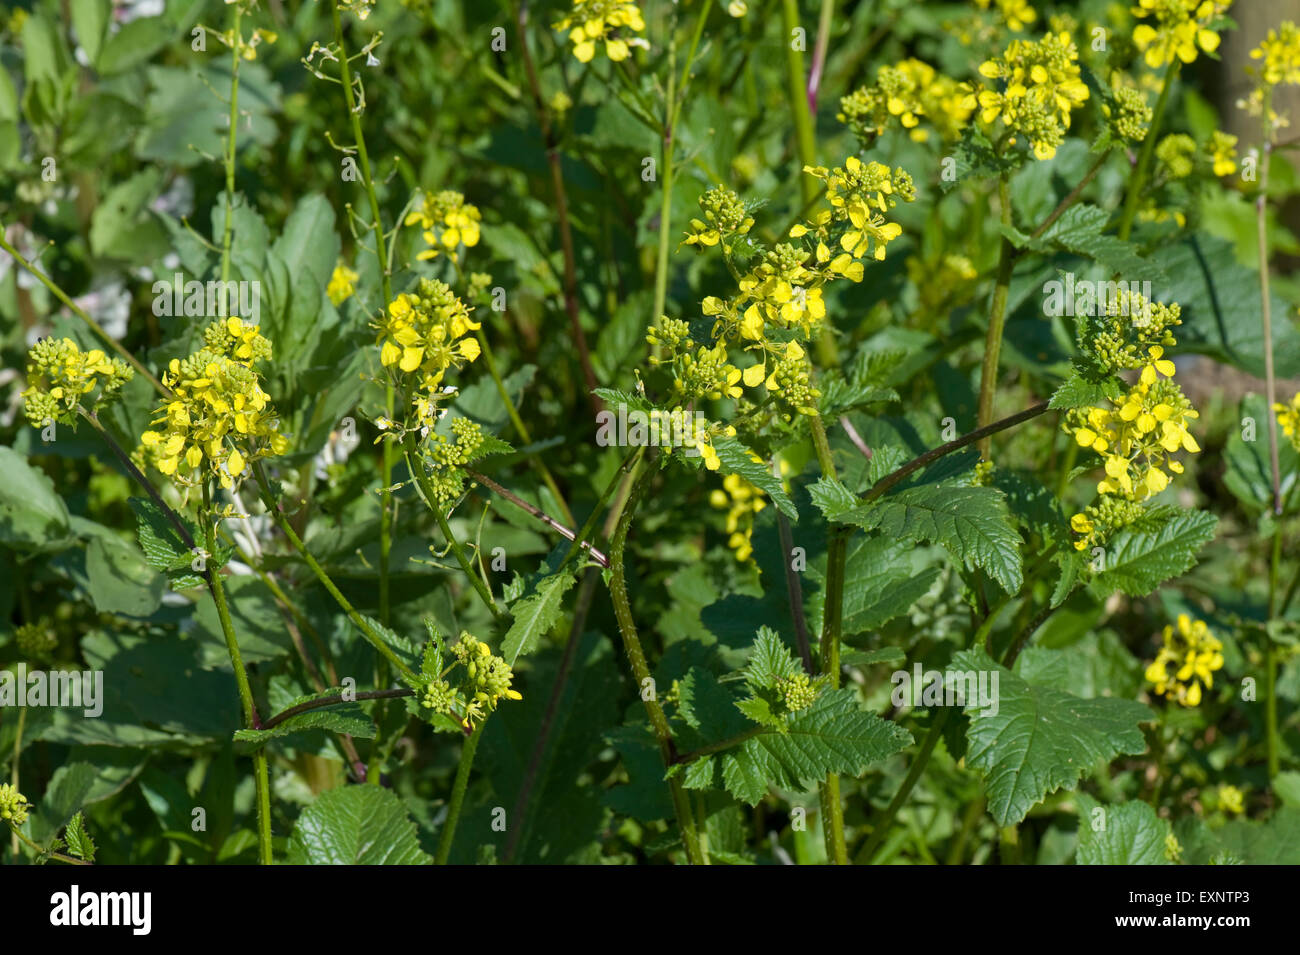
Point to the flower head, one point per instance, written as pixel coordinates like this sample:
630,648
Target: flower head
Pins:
218,418
13,805
1176,29
1186,662
60,377
448,222
611,22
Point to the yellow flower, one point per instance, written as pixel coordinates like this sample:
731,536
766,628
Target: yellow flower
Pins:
1195,652
342,284
1232,800
218,418
447,221
1181,29
741,500
611,22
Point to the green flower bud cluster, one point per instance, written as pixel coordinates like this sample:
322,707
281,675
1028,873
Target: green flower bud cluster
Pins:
671,334
791,381
1130,116
1121,338
724,217
60,376
444,457
36,642
797,692
1177,154
707,373
1099,521
13,805
484,681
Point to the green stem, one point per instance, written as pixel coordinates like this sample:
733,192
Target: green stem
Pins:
19,834
448,835
1072,197
797,95
667,172
617,584
261,774
905,790
997,318
832,620
1148,150
276,511
426,492
227,228
895,477
1270,398
14,779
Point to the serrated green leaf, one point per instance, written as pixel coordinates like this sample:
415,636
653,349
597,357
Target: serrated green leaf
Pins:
971,522
1078,392
534,615
736,460
356,825
346,718
1039,739
78,839
834,735
1139,559
1129,833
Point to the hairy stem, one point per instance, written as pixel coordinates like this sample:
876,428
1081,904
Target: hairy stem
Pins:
617,584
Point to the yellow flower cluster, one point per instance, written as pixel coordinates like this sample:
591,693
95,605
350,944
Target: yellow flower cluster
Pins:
1223,153
1279,56
1187,660
423,334
742,501
448,222
1231,800
60,376
603,21
218,418
1137,435
908,92
1040,85
1181,30
1288,417
342,284
1017,14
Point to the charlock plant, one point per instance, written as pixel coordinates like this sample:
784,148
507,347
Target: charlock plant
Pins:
882,446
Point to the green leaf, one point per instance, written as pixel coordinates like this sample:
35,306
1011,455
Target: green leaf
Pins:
1081,230
1039,739
64,796
121,578
346,718
736,460
534,615
1220,307
308,242
356,825
881,582
1078,392
32,514
90,18
1249,473
1139,559
134,44
78,839
971,522
770,661
1129,833
834,735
